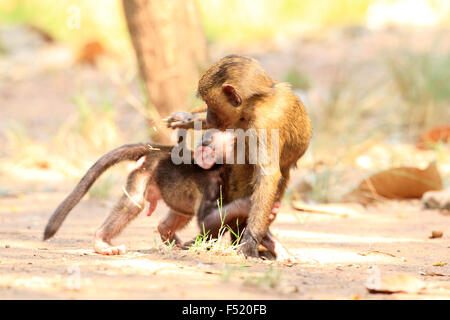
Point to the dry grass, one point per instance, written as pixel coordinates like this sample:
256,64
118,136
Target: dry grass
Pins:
220,246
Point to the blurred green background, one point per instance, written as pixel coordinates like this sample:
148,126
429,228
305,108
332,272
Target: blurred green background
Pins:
374,76
232,20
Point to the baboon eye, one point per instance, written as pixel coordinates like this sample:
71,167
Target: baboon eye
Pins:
232,94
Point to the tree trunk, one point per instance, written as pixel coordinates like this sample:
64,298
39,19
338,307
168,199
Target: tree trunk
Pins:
171,49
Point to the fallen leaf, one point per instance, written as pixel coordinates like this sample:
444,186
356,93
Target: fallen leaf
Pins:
42,164
439,264
435,135
397,183
397,283
436,234
90,52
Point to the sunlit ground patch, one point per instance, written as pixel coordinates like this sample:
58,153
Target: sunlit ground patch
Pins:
334,255
326,237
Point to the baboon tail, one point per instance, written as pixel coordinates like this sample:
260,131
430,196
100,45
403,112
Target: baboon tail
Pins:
130,152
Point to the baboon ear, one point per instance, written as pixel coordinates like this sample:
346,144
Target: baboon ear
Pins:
232,94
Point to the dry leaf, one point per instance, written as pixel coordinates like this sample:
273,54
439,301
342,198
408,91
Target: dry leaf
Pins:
43,164
90,52
397,283
436,234
433,136
439,264
397,183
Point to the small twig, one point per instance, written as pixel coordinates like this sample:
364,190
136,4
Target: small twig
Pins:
152,148
323,209
375,251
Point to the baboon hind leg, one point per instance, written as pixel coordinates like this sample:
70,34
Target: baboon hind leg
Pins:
127,208
168,227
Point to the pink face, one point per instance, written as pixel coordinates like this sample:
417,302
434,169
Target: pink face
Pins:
221,144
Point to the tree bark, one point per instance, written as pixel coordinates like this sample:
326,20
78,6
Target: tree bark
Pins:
171,49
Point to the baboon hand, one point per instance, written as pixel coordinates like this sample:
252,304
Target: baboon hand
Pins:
180,120
249,247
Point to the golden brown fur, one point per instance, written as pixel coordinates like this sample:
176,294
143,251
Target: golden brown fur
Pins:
240,95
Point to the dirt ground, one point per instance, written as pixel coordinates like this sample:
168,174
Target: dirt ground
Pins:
338,255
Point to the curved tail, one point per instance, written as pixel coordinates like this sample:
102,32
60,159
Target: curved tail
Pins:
130,152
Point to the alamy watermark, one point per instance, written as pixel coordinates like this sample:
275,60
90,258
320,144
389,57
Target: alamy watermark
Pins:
74,17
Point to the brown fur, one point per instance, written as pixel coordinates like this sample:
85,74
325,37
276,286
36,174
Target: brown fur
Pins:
131,152
187,189
240,95
180,186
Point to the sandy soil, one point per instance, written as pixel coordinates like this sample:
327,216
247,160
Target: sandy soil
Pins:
338,255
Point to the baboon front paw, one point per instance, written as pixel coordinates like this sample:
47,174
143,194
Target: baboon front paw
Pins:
180,119
105,248
188,244
267,255
249,247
